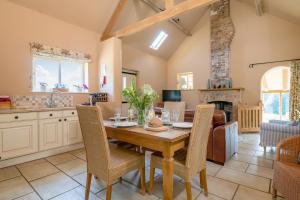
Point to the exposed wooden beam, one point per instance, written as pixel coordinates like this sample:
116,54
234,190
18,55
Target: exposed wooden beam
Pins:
174,21
107,33
164,15
169,4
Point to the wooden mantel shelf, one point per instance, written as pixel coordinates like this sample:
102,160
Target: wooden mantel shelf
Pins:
222,89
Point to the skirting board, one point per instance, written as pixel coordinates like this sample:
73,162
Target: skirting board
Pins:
39,155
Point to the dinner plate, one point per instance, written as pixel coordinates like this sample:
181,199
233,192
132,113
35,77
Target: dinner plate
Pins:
125,124
182,125
121,118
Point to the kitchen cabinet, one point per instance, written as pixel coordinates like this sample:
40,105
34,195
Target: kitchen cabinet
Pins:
72,133
50,133
18,138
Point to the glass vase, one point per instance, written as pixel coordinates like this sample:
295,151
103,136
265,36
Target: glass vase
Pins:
141,117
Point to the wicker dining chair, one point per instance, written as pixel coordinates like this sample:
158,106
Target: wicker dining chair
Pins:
192,160
176,106
286,178
105,161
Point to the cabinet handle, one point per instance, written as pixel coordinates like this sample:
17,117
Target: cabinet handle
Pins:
73,113
59,120
0,157
16,117
50,114
65,120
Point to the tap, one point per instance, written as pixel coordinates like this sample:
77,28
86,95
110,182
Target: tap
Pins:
51,101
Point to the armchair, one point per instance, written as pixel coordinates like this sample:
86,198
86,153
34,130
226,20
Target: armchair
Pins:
286,170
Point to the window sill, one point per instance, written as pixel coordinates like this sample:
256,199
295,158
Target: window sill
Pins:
37,92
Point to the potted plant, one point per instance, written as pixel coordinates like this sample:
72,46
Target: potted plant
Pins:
141,99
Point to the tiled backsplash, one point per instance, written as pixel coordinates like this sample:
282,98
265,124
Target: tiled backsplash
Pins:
60,100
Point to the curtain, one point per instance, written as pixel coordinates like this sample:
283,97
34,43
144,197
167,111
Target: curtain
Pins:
44,50
295,90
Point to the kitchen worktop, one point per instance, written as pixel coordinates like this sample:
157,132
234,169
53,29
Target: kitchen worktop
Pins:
25,110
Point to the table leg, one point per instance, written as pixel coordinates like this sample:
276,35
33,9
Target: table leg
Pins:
168,168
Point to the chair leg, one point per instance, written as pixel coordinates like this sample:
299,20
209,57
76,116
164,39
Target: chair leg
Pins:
88,185
143,181
151,181
188,188
108,192
203,181
274,194
120,180
265,149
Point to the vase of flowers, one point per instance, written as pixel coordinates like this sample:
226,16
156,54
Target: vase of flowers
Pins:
141,99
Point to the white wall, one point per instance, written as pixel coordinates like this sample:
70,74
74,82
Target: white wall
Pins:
256,39
152,69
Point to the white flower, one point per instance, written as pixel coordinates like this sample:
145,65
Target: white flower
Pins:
147,89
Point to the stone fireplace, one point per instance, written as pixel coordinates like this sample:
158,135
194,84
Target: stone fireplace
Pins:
220,91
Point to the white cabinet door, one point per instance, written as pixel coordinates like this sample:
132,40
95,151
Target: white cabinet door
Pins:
72,132
50,133
18,138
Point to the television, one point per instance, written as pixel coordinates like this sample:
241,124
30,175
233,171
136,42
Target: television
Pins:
171,95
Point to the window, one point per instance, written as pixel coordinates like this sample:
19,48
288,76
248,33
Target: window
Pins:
275,94
185,81
157,42
49,73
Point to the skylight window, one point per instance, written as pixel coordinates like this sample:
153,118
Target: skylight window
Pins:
161,37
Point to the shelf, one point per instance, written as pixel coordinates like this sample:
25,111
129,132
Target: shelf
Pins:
222,89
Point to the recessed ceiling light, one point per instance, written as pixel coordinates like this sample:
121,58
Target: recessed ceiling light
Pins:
157,42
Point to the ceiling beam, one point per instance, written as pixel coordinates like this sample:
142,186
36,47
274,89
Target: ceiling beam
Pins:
174,21
164,15
259,7
107,33
169,4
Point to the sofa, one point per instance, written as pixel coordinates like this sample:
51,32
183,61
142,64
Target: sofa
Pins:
276,130
223,137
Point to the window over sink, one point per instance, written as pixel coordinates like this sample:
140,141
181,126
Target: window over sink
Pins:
58,74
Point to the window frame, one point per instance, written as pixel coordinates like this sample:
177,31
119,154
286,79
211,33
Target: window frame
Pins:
280,99
187,74
84,66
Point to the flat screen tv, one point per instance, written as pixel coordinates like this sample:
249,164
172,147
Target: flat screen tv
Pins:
171,95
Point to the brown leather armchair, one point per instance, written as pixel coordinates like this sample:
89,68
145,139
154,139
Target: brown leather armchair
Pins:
223,138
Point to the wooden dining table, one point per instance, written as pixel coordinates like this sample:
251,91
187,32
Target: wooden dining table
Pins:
166,142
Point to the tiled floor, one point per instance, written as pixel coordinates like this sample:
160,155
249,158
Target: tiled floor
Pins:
248,175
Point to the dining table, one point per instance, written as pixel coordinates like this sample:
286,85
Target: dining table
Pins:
167,142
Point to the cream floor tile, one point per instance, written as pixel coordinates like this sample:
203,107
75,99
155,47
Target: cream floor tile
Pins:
34,162
179,192
81,155
75,194
218,187
209,197
237,165
35,170
126,191
96,186
14,188
134,176
246,151
77,151
73,167
61,158
8,173
248,146
260,171
253,160
53,185
31,196
262,162
267,155
245,179
245,193
212,168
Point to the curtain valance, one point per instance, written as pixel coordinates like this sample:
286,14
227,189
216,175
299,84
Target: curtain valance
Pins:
44,50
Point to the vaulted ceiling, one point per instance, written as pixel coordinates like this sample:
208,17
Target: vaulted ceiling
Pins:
95,14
